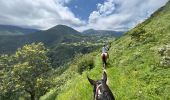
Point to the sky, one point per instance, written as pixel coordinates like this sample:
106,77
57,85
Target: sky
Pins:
118,15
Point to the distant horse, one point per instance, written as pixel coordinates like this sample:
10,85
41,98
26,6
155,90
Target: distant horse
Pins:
101,90
104,59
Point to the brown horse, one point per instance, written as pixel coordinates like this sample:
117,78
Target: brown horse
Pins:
104,59
101,90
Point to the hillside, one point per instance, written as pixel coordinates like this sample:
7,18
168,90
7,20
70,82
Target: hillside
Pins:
103,33
138,66
62,41
14,30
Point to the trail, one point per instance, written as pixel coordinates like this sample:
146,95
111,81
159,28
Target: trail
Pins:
99,66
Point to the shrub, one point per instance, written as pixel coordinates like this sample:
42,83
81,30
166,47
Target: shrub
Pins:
165,56
86,63
137,33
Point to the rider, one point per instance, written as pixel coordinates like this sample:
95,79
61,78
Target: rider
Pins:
104,55
104,50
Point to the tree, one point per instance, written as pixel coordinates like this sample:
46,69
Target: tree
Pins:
30,70
6,82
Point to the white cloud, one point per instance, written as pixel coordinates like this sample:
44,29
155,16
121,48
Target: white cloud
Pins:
40,14
103,10
122,14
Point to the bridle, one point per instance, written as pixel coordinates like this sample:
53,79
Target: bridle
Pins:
101,90
98,92
101,94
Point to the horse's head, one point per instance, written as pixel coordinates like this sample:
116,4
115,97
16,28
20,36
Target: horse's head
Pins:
100,89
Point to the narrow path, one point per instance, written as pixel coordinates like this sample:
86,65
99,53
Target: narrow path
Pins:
99,66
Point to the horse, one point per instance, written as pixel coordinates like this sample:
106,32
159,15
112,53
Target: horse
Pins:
104,59
101,90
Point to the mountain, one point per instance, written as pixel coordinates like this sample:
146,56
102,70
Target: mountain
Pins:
104,33
138,67
62,41
59,33
15,30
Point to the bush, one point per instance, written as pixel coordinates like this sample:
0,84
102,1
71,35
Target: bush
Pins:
137,33
86,63
165,56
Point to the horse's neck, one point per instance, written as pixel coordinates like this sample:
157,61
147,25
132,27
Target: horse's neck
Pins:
108,94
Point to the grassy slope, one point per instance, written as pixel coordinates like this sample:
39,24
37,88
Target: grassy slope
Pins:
134,70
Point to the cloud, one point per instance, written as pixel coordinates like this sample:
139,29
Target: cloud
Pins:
122,14
41,14
103,10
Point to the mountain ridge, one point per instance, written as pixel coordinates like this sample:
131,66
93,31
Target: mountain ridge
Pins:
64,43
116,34
15,30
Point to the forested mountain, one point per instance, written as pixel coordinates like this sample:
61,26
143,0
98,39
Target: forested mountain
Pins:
138,67
63,42
103,32
15,30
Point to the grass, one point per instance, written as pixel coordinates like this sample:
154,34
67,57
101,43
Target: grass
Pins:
129,80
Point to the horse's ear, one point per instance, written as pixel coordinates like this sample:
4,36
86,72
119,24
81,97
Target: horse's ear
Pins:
104,77
92,82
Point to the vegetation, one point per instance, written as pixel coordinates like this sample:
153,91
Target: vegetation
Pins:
63,43
25,72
